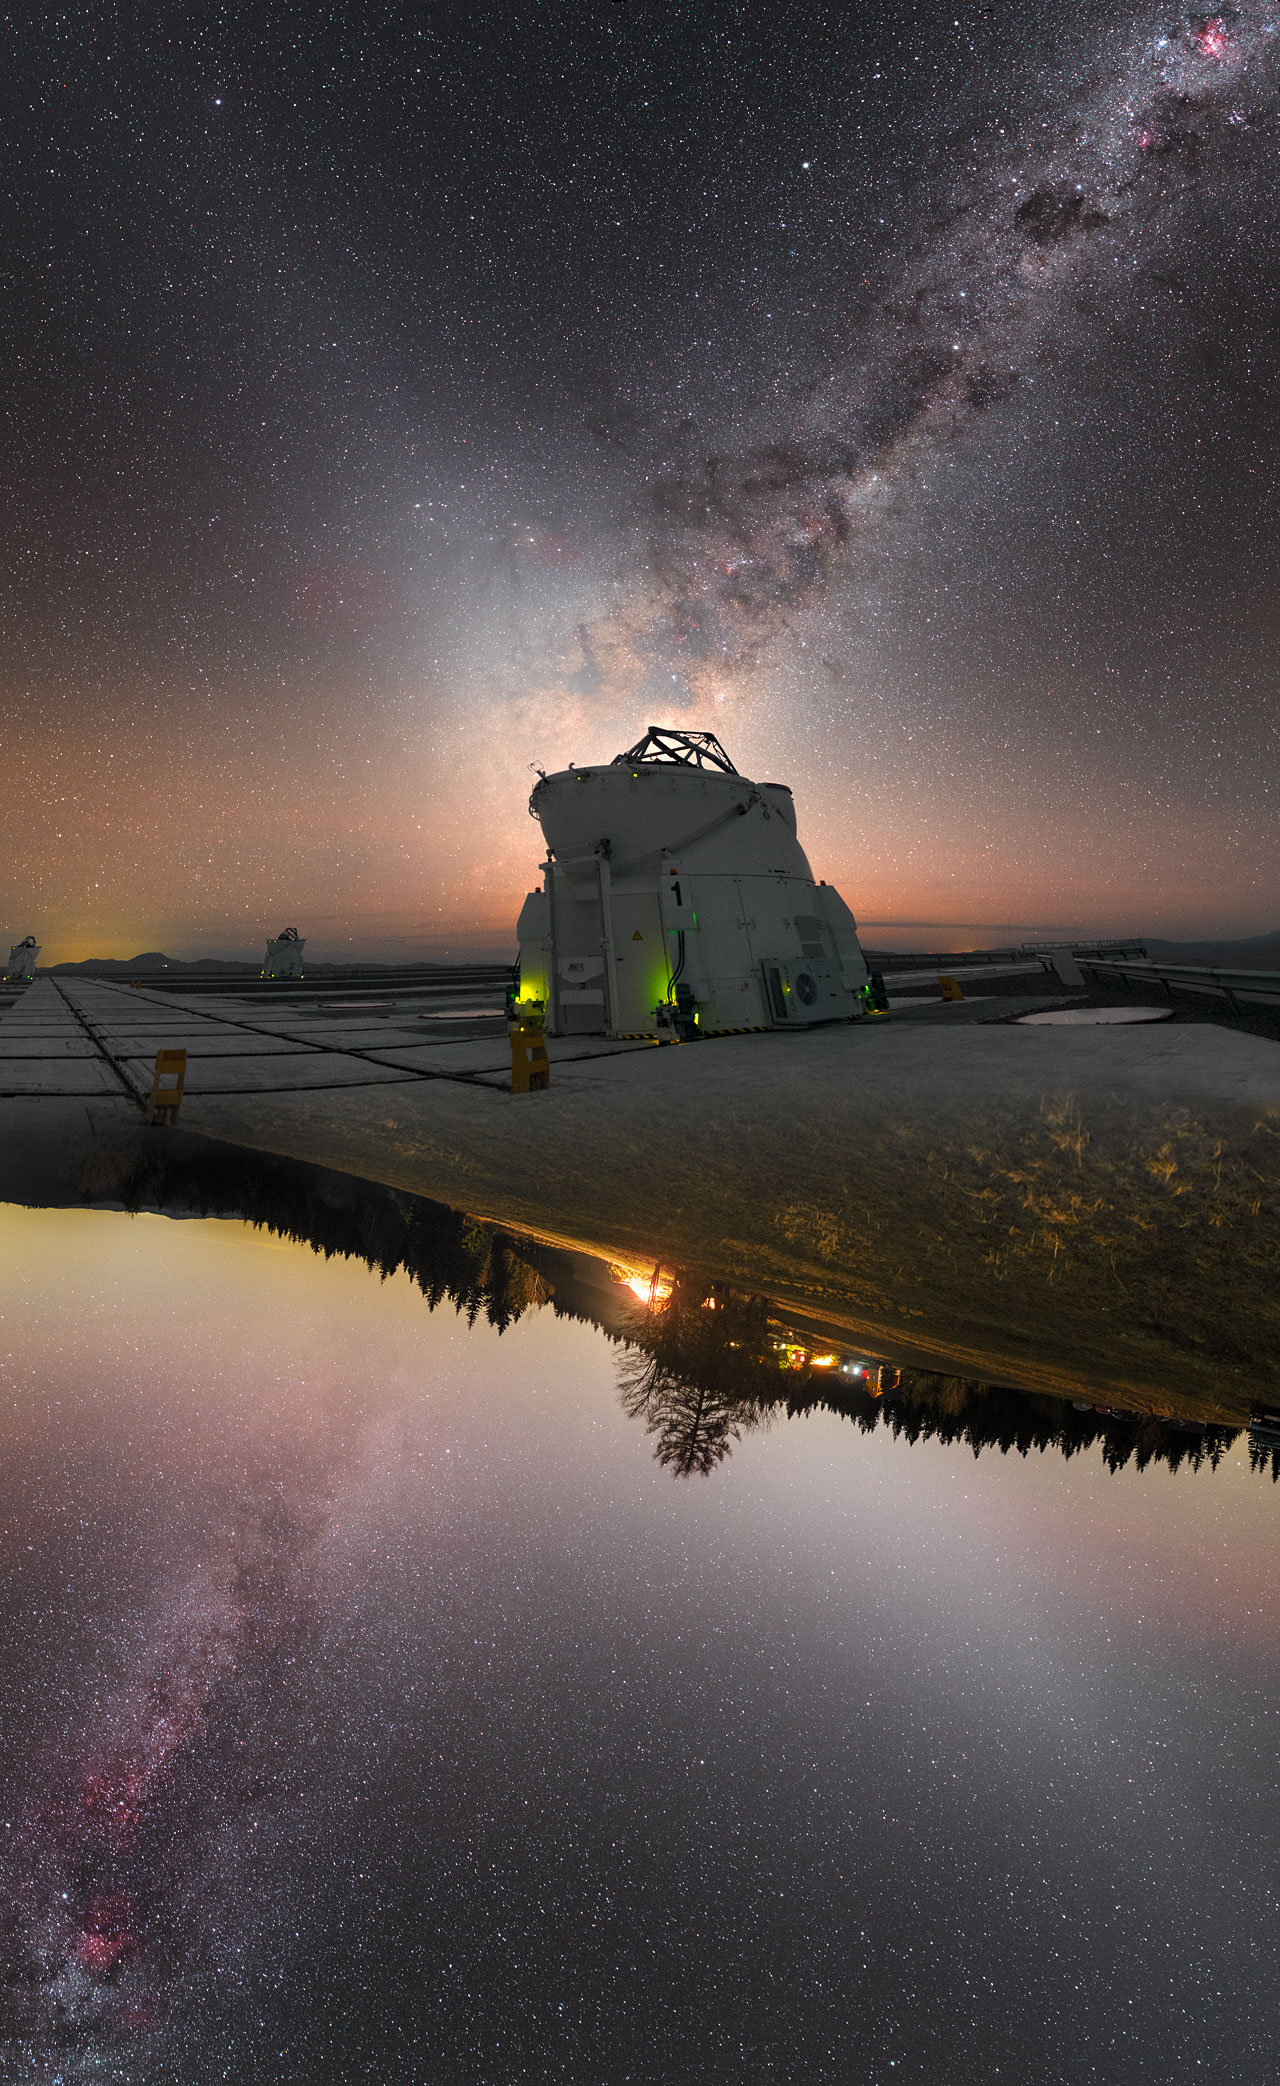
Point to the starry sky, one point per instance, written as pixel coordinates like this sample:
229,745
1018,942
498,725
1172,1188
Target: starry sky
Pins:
393,398
374,1705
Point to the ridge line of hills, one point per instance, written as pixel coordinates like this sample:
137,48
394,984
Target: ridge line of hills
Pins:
1253,952
226,966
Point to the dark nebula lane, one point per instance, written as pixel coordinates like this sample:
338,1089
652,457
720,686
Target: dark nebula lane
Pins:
743,544
118,1917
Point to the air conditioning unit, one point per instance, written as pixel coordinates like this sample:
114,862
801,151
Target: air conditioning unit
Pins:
799,993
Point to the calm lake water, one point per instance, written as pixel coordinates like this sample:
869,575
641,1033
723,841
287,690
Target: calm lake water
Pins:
375,1705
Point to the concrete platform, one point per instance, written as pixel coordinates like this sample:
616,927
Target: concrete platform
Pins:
46,1043
1052,1207
55,1075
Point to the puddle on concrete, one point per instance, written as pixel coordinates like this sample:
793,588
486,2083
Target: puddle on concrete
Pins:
1094,1017
374,1704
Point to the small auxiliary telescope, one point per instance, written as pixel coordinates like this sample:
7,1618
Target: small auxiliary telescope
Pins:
21,967
284,955
676,900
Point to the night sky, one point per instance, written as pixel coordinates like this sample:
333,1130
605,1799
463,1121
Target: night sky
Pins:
394,398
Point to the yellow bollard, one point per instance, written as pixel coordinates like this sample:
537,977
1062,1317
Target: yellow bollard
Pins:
950,990
170,1064
530,1065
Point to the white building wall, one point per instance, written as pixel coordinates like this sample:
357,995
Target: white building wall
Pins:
663,873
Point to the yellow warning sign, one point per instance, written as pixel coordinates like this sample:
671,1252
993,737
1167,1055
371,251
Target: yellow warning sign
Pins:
637,936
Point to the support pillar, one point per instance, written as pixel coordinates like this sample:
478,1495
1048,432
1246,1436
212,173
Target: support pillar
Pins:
612,1024
553,979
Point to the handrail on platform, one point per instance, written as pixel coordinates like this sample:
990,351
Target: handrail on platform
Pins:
1218,980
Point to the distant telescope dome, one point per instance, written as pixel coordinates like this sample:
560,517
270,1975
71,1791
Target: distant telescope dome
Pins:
284,955
21,967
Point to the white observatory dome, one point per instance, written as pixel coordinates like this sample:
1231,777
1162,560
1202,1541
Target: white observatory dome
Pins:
672,882
284,955
23,958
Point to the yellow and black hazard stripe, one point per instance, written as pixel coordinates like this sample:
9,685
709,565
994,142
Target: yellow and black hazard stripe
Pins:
646,1036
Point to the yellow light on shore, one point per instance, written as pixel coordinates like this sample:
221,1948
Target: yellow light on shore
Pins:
651,1289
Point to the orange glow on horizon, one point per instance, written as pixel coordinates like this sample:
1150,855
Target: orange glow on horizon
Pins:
384,848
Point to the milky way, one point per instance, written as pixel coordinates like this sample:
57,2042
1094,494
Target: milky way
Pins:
392,409
741,544
117,1893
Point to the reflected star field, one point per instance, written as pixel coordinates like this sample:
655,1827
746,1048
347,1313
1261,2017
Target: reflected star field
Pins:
374,1703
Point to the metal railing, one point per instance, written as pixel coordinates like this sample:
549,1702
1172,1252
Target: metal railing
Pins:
1240,989
1029,952
436,981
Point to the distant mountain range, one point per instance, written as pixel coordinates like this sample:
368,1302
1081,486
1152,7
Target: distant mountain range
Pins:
110,966
1259,952
227,966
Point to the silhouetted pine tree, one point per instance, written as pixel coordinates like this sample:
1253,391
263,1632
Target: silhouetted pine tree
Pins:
699,1370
